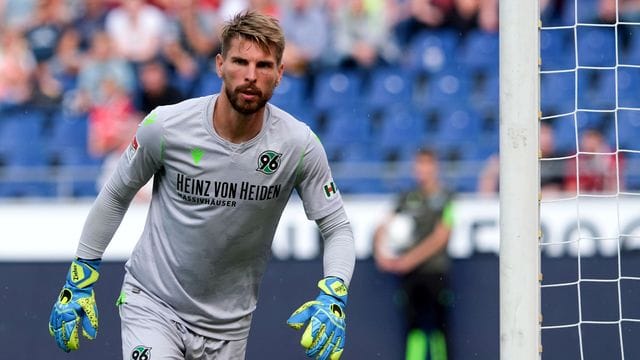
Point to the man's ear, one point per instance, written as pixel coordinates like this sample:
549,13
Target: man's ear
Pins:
280,73
219,63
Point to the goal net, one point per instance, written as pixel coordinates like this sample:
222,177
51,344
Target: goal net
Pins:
589,180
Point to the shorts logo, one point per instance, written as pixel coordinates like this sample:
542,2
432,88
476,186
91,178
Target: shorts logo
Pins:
141,352
268,162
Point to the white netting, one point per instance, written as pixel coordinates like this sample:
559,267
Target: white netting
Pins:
590,205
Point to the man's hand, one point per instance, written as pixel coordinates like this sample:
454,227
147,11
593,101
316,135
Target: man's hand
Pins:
325,334
75,308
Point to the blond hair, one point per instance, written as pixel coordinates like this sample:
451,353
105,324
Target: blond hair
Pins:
262,29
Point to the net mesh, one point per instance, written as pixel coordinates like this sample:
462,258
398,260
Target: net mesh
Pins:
590,187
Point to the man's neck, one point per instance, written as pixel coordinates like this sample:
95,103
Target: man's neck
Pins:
234,126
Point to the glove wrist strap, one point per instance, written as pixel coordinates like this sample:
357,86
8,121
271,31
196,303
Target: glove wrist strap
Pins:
83,273
334,287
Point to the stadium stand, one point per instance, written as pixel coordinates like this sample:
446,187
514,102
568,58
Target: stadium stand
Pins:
442,91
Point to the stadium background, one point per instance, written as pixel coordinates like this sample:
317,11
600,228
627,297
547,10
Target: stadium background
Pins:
440,89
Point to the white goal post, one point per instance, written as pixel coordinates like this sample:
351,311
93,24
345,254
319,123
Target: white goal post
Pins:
519,180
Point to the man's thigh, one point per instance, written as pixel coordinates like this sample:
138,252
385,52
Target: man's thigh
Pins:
148,329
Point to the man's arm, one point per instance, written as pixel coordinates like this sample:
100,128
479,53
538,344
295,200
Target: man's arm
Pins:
138,163
432,244
104,218
75,310
429,246
324,335
339,251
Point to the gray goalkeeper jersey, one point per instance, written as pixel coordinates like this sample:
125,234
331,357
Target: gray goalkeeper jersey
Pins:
215,208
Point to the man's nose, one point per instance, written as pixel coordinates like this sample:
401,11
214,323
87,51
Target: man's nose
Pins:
250,74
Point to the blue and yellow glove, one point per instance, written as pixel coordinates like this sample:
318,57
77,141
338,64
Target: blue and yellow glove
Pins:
76,306
325,335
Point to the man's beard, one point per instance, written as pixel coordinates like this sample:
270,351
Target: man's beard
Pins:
243,107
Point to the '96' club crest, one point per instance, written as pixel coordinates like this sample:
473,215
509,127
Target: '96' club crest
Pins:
269,162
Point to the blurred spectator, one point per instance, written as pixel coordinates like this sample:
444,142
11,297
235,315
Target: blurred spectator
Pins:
416,15
67,60
112,125
206,5
306,29
90,20
552,172
489,178
460,15
361,36
155,89
17,66
46,27
421,259
16,14
136,29
597,166
468,15
195,28
551,12
228,8
191,42
268,7
627,10
112,122
102,64
47,91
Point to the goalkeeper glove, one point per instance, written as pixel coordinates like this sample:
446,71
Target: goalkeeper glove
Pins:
76,306
325,334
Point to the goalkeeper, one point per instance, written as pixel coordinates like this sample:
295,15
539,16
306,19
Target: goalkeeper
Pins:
224,167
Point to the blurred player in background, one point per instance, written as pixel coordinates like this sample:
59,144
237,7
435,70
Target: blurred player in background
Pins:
224,167
412,243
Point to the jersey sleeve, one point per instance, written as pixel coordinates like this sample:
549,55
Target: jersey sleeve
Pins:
136,166
315,184
144,155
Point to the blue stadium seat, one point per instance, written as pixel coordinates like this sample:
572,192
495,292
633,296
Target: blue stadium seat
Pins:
304,112
389,86
208,84
75,161
557,93
432,51
480,51
628,130
19,127
596,46
358,184
69,134
336,88
25,160
597,89
487,94
446,90
565,131
631,164
458,127
292,91
587,11
402,126
557,50
348,125
628,80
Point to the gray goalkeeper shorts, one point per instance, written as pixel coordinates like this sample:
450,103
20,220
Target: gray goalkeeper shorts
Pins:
151,331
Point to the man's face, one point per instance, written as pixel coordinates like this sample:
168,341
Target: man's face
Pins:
249,75
425,168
